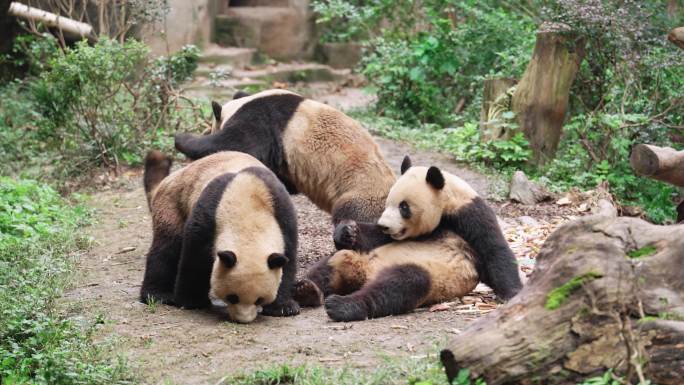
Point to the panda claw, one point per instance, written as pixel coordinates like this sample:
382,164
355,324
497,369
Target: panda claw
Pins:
307,293
346,235
285,309
340,308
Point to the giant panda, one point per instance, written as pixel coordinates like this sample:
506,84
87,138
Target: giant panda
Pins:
312,148
392,279
425,200
223,226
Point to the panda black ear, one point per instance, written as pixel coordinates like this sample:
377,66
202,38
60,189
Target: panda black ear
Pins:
405,164
435,178
217,110
276,260
240,94
228,258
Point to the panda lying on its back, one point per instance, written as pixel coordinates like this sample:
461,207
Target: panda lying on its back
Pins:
425,200
222,225
393,279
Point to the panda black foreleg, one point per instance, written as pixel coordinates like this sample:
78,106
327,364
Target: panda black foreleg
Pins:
396,290
496,264
359,236
192,286
196,146
284,304
161,267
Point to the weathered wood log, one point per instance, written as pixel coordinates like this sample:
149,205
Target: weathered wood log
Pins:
541,97
69,27
676,37
495,101
661,163
606,293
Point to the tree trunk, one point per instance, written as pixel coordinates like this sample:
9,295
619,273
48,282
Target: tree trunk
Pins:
676,36
606,293
72,28
541,98
495,101
680,213
661,163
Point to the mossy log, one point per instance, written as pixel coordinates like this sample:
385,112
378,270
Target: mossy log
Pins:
495,101
606,293
541,97
661,163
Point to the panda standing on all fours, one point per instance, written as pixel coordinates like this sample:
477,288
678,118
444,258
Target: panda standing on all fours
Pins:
223,225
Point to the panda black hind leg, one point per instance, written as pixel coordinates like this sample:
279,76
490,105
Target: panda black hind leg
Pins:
396,290
161,267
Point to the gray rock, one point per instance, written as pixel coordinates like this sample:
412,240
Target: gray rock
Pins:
525,191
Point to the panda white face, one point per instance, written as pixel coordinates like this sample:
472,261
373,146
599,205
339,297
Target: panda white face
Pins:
249,247
246,286
414,204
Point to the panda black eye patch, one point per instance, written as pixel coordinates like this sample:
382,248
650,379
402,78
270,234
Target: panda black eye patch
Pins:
233,298
404,210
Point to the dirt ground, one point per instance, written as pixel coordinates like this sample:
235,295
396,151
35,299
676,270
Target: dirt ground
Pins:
198,347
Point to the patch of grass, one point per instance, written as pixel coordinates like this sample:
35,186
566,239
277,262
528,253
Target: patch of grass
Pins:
645,251
38,345
422,371
557,296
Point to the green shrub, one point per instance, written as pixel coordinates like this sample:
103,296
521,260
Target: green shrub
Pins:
37,344
423,73
93,106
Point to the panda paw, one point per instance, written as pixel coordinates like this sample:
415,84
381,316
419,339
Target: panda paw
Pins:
307,293
341,308
346,235
287,308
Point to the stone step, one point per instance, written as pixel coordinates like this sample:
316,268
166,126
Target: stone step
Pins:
207,69
294,72
236,57
223,90
259,3
280,33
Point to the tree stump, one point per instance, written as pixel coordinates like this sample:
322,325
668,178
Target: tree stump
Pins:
495,101
661,163
606,293
541,98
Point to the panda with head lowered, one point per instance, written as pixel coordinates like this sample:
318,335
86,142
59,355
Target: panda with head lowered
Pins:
427,200
312,148
223,226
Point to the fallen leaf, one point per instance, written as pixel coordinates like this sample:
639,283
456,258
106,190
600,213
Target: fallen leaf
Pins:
399,327
440,307
563,201
126,250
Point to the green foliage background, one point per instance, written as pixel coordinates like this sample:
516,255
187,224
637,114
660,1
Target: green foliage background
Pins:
38,344
427,66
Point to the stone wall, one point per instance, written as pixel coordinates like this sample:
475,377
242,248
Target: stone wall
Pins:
187,22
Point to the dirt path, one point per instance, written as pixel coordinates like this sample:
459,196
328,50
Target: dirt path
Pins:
193,347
